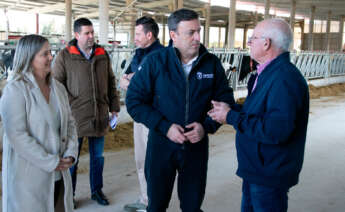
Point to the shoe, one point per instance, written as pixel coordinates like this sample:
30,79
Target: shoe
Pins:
74,203
100,198
135,207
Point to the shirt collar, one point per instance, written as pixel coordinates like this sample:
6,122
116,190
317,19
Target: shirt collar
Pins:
87,56
191,61
261,67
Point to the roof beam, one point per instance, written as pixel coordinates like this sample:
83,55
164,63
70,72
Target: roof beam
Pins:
112,12
59,6
154,4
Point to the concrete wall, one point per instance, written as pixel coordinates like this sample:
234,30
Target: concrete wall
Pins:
320,42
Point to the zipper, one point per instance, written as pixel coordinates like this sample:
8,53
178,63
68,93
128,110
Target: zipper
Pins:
187,102
187,87
94,91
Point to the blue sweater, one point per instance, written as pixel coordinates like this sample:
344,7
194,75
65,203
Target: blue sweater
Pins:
271,126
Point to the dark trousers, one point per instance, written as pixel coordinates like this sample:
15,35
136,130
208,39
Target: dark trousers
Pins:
163,161
259,198
57,191
59,194
96,149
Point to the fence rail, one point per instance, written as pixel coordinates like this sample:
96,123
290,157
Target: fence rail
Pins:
313,65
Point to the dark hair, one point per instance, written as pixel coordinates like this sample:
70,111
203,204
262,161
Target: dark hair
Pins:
81,22
149,25
181,15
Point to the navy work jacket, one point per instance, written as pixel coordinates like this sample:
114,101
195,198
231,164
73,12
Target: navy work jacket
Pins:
139,55
272,125
159,93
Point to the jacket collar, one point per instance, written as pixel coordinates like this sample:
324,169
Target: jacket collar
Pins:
143,51
73,48
41,101
285,56
202,52
154,45
29,77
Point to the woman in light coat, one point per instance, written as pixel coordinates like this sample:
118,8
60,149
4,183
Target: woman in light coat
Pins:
40,138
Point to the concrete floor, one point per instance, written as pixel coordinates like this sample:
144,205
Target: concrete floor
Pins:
322,180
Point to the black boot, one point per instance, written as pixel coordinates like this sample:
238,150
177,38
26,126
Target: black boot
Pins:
100,198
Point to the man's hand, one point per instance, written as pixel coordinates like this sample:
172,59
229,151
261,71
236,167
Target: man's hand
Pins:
219,111
196,134
115,114
175,133
129,76
124,82
64,164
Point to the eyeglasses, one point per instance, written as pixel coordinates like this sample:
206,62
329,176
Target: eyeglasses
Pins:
251,38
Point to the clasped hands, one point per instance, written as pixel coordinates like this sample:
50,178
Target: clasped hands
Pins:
64,163
177,134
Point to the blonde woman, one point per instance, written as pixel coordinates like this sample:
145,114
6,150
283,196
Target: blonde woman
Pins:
40,139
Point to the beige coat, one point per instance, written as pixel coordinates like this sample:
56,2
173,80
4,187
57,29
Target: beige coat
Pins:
90,86
28,175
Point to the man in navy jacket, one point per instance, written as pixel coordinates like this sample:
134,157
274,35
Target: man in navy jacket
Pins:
171,93
146,39
272,124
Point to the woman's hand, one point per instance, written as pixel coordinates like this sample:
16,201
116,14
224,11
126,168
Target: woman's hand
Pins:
64,163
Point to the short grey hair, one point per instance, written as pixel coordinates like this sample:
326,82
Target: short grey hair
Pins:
279,32
27,47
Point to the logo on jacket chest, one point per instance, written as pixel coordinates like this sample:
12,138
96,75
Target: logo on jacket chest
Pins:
200,76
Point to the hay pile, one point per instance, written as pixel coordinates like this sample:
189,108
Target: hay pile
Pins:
317,92
330,90
115,140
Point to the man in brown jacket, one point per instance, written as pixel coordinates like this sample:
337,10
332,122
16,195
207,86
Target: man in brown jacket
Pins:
85,69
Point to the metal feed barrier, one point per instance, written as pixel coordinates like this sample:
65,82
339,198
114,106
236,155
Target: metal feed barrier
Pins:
313,65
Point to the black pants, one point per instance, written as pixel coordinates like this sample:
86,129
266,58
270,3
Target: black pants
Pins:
57,190
164,160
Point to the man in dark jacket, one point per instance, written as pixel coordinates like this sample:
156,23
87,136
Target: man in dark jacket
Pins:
171,93
272,124
146,39
85,69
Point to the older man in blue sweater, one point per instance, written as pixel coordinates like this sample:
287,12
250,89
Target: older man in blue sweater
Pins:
272,123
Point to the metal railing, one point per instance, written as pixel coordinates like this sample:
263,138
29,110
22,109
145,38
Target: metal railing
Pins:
312,65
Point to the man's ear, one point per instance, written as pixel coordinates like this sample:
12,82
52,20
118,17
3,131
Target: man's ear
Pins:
76,35
268,43
149,35
172,35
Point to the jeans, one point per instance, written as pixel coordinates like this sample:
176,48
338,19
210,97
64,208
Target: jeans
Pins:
259,198
96,148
